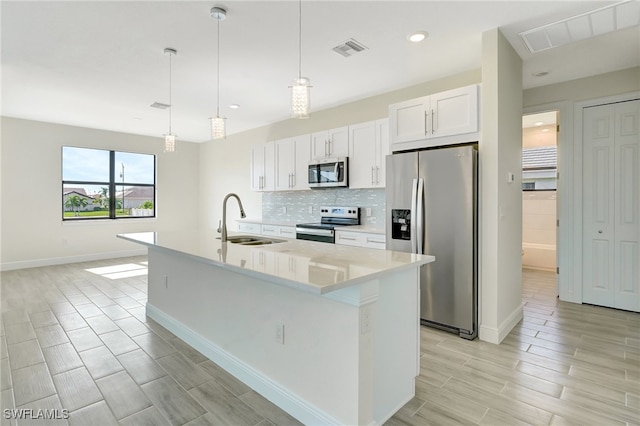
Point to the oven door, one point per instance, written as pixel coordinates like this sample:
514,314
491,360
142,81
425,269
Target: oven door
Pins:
320,235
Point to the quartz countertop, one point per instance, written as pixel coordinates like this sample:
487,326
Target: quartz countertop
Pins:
310,266
361,228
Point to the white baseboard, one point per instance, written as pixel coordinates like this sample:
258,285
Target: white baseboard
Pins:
497,334
297,407
36,263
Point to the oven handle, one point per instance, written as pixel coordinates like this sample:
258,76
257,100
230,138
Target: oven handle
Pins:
319,232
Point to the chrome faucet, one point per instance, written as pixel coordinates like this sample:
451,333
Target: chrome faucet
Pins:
222,228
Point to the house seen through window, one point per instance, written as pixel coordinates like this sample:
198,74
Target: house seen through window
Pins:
102,184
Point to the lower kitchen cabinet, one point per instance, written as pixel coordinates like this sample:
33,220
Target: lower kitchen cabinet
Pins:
361,239
249,228
279,231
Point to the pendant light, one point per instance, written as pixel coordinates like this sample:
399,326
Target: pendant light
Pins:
217,122
301,87
170,138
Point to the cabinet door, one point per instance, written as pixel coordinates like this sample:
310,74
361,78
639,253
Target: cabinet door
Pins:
320,144
339,142
249,228
302,156
257,167
285,164
362,161
382,150
408,120
454,112
269,166
330,143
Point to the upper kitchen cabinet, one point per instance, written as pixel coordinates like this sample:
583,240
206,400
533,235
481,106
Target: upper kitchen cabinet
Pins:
330,143
263,167
292,156
439,119
368,146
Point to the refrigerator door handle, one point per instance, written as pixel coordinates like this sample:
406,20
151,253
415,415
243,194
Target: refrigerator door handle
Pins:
413,228
420,217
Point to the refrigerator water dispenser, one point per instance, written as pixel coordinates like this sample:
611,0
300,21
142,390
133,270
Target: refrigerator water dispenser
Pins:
401,224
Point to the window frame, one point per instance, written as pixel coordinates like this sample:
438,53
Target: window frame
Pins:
112,185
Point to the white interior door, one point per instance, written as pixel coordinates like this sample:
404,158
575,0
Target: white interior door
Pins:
611,223
627,206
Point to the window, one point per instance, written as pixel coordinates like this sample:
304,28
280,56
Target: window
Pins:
100,184
539,168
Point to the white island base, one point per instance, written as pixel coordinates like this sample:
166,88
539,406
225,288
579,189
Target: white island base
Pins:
349,356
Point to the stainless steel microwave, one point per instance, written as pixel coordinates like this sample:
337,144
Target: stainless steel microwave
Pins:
329,172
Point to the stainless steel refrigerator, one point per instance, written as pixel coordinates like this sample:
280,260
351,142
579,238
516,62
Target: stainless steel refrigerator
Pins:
431,205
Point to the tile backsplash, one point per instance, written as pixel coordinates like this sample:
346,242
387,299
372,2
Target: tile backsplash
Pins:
297,204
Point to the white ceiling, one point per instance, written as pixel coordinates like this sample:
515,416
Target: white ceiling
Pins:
100,64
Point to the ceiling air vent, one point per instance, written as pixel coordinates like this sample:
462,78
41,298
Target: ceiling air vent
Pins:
350,48
159,105
600,21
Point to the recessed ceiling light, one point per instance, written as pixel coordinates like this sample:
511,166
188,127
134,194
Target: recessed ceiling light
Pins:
538,123
540,73
234,106
417,36
545,130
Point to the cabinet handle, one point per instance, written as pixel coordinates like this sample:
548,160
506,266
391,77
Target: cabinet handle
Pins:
325,148
293,180
373,179
342,237
377,175
426,126
329,146
433,122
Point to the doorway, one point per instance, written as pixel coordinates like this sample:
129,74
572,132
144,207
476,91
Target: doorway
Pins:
540,191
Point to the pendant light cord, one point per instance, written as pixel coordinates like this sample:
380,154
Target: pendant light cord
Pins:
170,103
218,73
300,39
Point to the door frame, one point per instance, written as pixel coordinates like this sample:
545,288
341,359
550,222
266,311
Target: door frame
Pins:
564,209
575,290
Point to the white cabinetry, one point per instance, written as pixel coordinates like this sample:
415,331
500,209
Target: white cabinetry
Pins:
330,143
438,119
279,231
263,167
361,239
368,146
249,228
292,157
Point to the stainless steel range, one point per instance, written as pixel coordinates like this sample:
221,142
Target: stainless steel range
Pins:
330,219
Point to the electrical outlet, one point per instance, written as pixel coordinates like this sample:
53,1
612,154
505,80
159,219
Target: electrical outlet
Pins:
280,333
366,319
284,209
310,209
368,211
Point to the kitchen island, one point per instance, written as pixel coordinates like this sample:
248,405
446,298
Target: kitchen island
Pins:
328,333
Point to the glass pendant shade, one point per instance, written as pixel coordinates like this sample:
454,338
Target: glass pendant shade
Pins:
218,128
300,98
169,143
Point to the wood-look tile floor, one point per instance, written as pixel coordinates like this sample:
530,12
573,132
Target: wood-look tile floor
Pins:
76,337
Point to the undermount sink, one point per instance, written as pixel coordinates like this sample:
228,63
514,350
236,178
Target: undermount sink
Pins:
247,240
